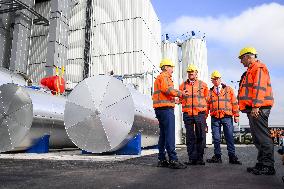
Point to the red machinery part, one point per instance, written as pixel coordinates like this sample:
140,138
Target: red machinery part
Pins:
54,83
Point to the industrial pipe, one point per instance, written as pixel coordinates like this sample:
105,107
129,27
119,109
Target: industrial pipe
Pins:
27,115
102,115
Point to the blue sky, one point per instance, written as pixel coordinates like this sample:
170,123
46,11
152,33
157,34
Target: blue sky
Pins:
168,10
229,26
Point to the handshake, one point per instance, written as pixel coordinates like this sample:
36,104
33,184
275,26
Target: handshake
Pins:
184,94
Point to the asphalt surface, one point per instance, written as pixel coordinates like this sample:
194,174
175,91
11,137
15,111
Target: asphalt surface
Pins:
138,173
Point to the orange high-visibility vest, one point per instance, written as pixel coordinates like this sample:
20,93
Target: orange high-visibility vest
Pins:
255,88
223,104
164,91
195,102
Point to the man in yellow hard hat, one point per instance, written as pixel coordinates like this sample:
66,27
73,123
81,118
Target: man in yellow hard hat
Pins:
194,108
164,103
223,107
255,98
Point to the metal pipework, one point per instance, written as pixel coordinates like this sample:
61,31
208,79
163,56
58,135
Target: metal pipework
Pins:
36,113
102,114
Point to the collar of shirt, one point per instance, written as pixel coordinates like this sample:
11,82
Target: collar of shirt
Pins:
219,89
191,82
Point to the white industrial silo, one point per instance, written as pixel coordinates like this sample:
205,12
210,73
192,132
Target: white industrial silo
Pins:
194,51
171,51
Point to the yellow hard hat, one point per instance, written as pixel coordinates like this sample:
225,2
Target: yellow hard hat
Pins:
166,62
191,67
215,74
247,50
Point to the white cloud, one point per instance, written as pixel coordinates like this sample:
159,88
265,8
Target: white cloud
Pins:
261,27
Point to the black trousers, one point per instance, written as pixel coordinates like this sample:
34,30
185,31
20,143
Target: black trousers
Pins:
261,137
195,135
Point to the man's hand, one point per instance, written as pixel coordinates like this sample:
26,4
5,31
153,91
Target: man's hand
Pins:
236,119
186,93
254,112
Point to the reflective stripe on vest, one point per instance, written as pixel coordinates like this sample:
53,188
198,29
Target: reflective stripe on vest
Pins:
198,96
249,85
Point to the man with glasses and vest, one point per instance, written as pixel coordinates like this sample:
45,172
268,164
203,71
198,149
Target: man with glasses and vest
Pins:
164,103
223,107
194,108
256,99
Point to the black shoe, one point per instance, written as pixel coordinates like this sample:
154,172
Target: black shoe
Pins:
234,160
175,164
163,163
191,162
214,159
257,166
265,170
200,162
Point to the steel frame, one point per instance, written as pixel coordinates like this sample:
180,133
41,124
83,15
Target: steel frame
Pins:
16,5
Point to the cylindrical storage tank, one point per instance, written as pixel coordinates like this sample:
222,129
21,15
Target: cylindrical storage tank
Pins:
38,113
102,115
171,51
16,115
194,51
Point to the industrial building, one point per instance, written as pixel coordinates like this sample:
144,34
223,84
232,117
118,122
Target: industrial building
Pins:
78,39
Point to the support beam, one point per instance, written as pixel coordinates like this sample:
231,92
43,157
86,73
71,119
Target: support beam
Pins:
58,35
20,42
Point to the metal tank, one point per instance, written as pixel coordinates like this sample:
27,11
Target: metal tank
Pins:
7,76
194,51
102,115
28,114
16,113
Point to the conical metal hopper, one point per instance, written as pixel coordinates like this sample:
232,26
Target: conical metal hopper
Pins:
16,115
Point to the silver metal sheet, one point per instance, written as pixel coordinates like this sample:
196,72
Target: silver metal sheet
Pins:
16,116
115,129
110,119
97,89
76,114
89,135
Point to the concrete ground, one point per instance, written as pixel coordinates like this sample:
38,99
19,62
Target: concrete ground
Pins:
69,169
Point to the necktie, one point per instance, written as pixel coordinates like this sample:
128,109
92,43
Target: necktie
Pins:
217,90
